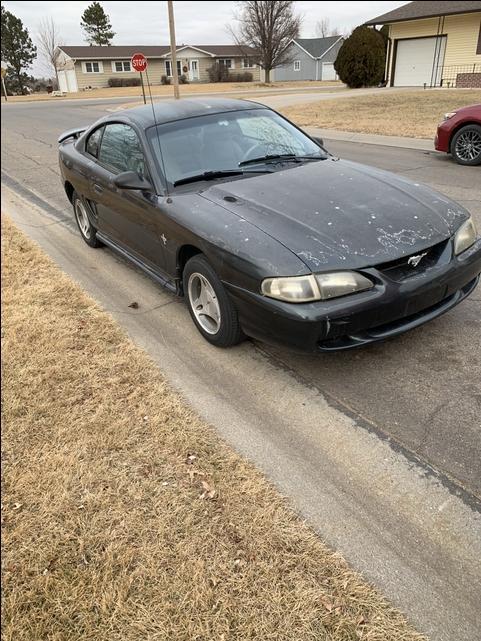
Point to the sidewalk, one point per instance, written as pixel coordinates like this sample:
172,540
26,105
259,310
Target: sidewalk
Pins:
424,144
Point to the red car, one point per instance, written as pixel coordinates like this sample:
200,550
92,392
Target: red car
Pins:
460,135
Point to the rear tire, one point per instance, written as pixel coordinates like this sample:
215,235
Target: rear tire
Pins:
86,229
209,305
466,145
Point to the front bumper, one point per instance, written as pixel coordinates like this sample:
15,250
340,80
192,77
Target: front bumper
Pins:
390,308
443,136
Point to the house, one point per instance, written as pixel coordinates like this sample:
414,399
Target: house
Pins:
81,67
311,59
433,44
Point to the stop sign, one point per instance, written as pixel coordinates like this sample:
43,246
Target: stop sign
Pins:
139,62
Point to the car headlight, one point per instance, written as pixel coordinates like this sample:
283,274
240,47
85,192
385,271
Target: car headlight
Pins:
304,289
465,236
449,115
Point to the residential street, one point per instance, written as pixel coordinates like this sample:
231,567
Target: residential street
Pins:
379,448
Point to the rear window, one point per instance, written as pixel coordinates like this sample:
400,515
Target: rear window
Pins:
93,142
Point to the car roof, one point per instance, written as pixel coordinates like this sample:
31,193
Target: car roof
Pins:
172,110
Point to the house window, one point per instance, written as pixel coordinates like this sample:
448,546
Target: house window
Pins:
226,62
248,63
92,67
297,65
121,65
478,48
168,68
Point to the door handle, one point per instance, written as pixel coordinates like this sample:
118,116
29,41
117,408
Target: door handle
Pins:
98,189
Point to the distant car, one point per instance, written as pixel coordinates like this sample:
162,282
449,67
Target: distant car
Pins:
263,231
460,135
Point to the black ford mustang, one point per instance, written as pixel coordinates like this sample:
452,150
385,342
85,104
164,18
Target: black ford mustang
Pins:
262,230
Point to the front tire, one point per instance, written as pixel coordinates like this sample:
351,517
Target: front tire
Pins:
87,230
210,307
466,145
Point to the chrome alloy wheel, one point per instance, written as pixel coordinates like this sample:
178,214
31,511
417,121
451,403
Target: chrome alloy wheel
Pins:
204,303
82,218
468,146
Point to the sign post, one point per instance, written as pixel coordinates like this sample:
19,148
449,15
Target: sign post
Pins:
139,63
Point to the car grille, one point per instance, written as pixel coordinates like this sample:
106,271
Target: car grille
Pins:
401,269
399,325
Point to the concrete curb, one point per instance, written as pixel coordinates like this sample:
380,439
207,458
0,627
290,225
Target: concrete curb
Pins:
423,144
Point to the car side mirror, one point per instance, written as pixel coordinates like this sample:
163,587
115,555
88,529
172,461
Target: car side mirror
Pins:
132,180
319,141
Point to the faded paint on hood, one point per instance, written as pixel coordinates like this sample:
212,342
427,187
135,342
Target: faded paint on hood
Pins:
342,214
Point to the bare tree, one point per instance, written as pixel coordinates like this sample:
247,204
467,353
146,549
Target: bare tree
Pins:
268,27
48,43
323,29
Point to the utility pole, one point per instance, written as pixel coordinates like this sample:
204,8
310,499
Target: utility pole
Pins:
173,54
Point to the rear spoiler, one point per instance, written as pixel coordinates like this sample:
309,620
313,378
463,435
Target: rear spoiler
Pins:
72,133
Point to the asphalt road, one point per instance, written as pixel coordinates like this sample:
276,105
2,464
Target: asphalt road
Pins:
379,448
422,390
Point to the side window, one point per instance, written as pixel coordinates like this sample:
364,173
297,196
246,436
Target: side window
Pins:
121,150
93,142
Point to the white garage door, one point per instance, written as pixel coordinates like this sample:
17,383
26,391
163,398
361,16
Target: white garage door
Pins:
71,80
328,71
67,81
62,81
415,59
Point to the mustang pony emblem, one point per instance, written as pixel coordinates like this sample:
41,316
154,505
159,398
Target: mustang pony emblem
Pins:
415,260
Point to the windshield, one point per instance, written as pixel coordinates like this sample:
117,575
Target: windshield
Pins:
221,142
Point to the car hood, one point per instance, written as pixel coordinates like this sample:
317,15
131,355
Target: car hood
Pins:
340,214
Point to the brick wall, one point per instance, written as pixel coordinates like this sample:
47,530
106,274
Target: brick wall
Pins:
468,80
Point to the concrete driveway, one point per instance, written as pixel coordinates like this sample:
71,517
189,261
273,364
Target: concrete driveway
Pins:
379,448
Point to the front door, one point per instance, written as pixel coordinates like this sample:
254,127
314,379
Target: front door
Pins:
128,217
194,70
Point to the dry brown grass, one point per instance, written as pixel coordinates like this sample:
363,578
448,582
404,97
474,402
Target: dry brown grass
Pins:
406,113
168,90
125,517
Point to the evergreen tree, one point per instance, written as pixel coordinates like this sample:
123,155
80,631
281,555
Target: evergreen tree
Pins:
362,58
96,25
18,50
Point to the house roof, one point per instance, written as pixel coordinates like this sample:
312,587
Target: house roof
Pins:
317,47
429,9
127,51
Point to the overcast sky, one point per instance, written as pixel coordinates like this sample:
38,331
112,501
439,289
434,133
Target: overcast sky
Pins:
197,22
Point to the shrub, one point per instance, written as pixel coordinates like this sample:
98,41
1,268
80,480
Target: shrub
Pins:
164,80
183,79
218,73
124,82
361,58
244,76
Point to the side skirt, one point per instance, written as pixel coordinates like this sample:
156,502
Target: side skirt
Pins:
169,284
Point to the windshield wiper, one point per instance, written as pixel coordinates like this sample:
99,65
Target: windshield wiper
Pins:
211,175
280,157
